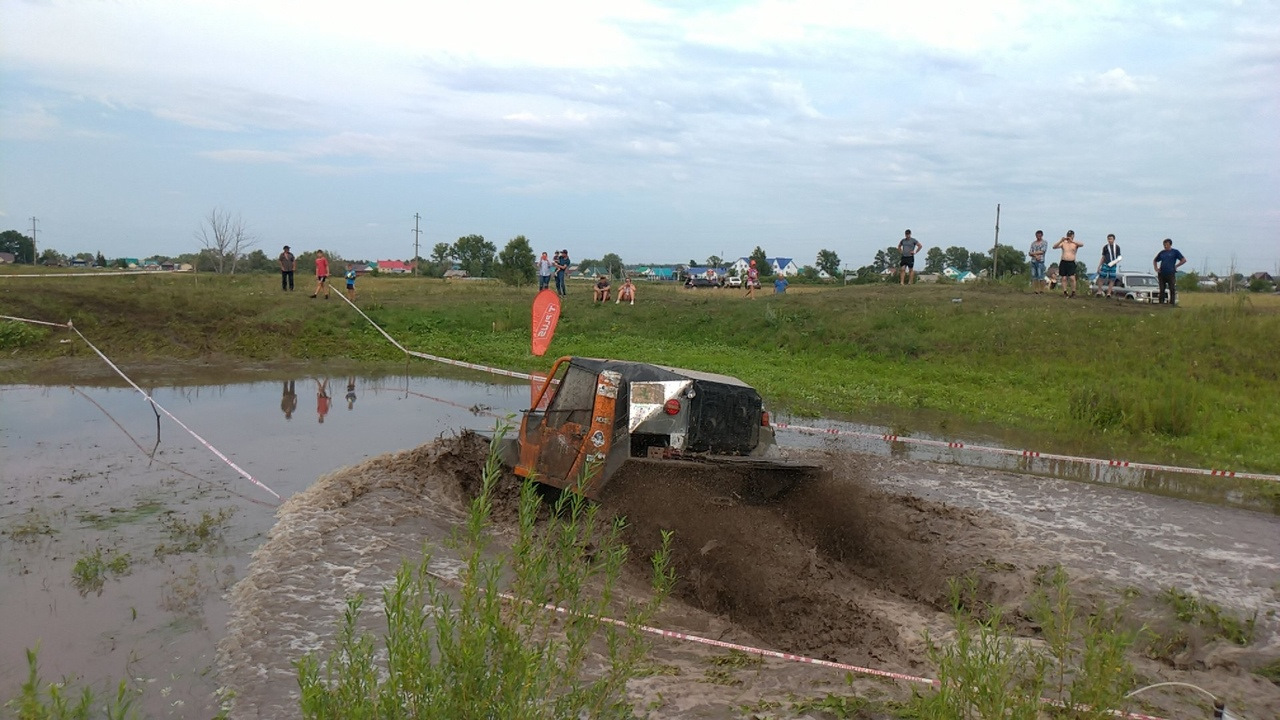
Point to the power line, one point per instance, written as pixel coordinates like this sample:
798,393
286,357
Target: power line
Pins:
34,220
416,233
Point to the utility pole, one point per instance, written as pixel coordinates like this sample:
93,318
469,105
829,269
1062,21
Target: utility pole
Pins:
33,240
416,233
995,251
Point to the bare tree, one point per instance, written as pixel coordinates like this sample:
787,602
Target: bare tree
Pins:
226,237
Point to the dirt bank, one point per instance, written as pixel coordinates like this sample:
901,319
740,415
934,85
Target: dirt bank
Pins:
841,570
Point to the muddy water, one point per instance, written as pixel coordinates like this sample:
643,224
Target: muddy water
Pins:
74,481
1234,492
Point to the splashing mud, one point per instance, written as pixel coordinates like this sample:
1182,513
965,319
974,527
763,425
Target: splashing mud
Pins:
838,569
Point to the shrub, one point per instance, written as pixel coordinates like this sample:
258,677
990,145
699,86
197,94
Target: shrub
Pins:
480,655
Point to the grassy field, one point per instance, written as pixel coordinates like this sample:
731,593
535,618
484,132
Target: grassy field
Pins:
1195,385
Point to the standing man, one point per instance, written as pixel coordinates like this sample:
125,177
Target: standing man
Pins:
1109,265
287,264
1166,265
545,268
562,269
908,246
322,275
1037,253
1067,267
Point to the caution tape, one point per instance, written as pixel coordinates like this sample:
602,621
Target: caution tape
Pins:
762,652
436,358
1034,454
209,446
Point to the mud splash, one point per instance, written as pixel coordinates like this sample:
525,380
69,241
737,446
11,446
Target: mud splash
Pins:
839,569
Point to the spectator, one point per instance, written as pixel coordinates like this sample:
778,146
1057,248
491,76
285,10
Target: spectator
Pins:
626,292
602,289
780,285
322,275
287,264
545,270
1037,253
562,270
1067,266
1108,266
1166,264
908,247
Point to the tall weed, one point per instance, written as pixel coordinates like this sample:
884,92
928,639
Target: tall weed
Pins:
473,654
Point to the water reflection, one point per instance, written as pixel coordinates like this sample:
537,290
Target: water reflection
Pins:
322,398
289,400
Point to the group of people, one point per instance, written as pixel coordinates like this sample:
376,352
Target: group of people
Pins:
1165,264
288,263
557,267
626,293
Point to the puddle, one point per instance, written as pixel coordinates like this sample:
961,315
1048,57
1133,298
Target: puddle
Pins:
76,487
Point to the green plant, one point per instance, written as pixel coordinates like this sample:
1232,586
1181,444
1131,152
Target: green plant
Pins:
478,653
37,700
1086,655
192,536
1195,610
89,574
983,672
15,334
33,524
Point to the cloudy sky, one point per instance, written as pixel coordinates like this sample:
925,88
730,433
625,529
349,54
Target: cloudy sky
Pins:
662,131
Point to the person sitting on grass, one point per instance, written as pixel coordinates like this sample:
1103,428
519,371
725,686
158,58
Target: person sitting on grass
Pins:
626,292
602,289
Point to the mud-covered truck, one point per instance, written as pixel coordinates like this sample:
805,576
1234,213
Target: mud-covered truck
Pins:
590,419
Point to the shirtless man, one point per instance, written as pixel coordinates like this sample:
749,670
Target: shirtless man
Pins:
1067,267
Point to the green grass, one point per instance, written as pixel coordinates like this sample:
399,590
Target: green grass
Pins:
40,700
189,536
91,570
1196,385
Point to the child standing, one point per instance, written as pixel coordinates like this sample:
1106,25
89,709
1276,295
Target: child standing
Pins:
351,283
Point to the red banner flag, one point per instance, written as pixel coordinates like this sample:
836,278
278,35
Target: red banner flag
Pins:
546,312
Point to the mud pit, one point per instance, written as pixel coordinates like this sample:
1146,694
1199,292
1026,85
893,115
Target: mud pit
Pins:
838,570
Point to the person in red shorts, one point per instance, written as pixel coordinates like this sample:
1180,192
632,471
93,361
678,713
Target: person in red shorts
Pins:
322,275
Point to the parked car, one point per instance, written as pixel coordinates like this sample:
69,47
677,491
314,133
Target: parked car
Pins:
693,283
734,281
1136,286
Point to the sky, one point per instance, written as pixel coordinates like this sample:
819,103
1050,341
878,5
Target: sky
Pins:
661,131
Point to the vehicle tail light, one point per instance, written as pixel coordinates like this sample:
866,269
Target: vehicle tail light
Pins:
764,418
672,406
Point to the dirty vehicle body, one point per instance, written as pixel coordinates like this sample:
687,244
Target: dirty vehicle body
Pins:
593,418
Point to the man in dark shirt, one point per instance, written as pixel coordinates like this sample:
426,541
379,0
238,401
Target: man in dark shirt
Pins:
287,262
1166,264
908,247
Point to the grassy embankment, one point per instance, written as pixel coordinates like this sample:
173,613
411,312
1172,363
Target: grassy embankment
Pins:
1197,385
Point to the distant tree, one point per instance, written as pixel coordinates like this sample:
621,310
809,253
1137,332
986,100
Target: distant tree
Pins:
441,258
1189,282
516,262
1259,285
22,247
475,255
99,260
257,261
225,236
612,264
589,265
887,258
829,262
762,264
51,257
1012,261
120,263
867,274
714,261
809,272
693,263
85,256
957,257
934,260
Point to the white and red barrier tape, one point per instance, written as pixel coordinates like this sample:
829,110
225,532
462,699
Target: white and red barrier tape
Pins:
1026,453
763,652
151,400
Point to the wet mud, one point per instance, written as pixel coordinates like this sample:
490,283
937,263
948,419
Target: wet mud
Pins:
853,569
